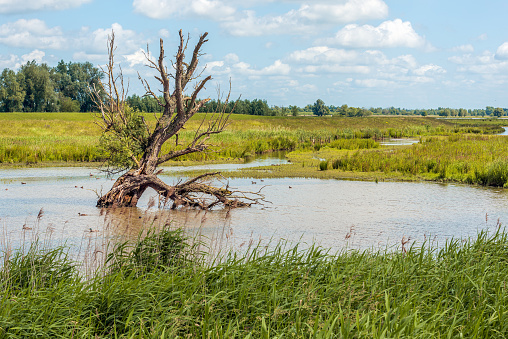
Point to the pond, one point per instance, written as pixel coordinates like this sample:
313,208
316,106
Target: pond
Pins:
331,213
399,142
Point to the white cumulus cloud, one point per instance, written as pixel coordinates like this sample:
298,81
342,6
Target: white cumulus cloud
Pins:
233,67
164,9
136,58
32,33
323,54
396,33
502,52
349,11
305,17
464,48
34,55
14,61
308,18
127,41
16,6
371,83
429,69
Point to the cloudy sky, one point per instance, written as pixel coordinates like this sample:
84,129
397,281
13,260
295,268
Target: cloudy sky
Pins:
366,53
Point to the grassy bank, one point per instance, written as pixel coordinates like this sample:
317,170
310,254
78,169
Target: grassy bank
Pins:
460,150
44,138
162,288
464,158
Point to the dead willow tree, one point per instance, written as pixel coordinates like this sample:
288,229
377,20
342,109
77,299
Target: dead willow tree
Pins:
132,145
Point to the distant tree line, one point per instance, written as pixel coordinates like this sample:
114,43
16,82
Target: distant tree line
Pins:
443,111
65,88
254,107
40,88
319,108
261,107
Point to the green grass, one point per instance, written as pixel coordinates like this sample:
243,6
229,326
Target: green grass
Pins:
36,149
464,158
161,288
473,159
46,138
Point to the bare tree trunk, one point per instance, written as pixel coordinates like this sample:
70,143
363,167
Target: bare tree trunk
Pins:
177,109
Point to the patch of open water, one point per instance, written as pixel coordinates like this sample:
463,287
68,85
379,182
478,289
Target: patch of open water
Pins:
325,212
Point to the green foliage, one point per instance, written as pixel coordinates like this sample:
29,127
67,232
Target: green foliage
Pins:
46,137
69,105
32,150
40,88
156,250
354,144
72,80
336,164
494,174
294,110
146,104
498,112
11,92
254,107
124,143
323,165
37,269
474,159
319,108
453,290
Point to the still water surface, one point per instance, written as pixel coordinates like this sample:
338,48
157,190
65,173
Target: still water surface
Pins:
326,212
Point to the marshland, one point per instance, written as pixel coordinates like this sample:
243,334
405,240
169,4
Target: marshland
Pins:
357,237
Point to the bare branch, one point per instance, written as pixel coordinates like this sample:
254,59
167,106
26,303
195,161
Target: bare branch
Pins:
178,107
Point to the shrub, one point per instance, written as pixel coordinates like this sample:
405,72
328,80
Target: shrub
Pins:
323,165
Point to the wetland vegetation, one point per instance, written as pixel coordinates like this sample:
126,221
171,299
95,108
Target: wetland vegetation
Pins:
161,287
460,150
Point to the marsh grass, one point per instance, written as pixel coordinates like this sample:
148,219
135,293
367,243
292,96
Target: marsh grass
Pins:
38,138
162,287
466,158
36,149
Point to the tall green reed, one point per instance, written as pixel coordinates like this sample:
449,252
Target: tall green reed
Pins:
452,290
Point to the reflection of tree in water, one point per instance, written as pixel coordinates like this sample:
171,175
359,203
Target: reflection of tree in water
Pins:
209,229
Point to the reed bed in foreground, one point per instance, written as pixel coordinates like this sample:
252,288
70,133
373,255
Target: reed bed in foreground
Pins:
160,288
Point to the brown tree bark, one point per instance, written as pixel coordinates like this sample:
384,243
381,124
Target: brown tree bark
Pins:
177,109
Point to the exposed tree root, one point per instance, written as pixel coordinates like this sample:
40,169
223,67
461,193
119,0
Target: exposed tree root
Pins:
193,193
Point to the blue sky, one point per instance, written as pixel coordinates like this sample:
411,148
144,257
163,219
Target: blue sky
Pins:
365,53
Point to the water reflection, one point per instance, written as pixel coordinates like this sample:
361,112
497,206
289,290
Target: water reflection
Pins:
331,213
